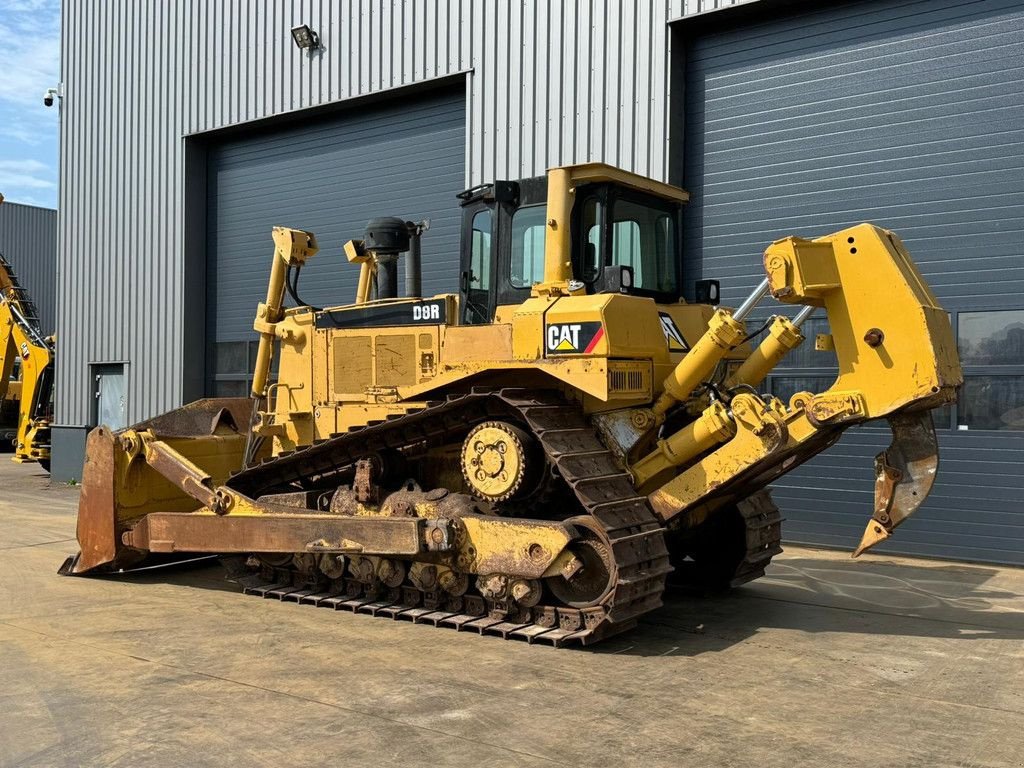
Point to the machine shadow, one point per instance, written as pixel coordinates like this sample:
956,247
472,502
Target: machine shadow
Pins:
804,594
814,595
204,572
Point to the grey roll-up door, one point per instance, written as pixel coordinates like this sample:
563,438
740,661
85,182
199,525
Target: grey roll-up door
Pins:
329,175
910,115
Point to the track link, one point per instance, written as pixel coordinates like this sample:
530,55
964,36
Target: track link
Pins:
630,530
763,523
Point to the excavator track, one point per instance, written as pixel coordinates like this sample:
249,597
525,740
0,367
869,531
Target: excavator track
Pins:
625,523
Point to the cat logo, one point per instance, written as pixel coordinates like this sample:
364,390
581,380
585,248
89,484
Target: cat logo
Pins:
674,337
572,338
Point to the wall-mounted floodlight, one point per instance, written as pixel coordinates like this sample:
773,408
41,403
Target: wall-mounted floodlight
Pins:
305,37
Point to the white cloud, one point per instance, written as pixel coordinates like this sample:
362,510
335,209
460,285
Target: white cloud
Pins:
30,133
19,181
26,181
25,6
22,166
29,63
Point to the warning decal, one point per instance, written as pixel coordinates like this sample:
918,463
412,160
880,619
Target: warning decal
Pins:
674,337
572,338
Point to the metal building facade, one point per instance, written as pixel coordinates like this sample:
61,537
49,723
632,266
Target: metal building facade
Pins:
535,97
28,240
905,113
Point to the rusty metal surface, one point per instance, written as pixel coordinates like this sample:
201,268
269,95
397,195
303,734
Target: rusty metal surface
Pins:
97,536
201,417
363,485
286,533
305,500
904,475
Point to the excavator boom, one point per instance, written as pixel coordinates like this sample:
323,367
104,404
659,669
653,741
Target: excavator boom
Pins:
21,341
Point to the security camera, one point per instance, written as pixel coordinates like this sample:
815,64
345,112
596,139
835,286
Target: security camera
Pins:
49,96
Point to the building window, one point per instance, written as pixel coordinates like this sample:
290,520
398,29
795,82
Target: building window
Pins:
991,346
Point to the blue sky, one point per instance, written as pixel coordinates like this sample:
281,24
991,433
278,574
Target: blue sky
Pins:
29,64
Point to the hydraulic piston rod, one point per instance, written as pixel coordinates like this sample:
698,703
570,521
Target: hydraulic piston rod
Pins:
783,336
744,309
713,426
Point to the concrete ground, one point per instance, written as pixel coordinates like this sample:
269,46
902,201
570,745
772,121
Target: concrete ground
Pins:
880,662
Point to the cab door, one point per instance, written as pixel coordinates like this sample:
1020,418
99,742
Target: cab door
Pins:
476,282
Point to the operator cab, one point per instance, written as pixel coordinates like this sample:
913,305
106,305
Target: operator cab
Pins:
624,240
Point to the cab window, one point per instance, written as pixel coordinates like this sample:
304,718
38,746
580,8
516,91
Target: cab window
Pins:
527,263
480,259
626,247
642,235
477,279
592,225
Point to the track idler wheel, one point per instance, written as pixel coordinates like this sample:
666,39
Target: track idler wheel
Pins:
592,582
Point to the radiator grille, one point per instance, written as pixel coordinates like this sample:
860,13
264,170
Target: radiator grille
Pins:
629,377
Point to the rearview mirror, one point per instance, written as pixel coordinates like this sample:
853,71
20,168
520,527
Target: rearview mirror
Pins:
707,292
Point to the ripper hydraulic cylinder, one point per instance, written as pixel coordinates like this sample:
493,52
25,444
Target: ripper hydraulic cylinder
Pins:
725,331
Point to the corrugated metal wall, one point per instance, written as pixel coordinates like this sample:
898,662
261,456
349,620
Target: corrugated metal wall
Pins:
28,240
907,113
551,82
330,177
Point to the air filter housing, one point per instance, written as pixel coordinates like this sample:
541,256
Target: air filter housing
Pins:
386,235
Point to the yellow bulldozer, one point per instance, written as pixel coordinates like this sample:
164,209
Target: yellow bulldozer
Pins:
26,373
537,454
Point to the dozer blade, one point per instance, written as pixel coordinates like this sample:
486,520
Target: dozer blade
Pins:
119,487
904,475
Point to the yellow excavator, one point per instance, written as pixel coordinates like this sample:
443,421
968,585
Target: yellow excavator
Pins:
26,372
536,455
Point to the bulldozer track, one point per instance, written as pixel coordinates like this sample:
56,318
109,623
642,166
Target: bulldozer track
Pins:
763,523
633,534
